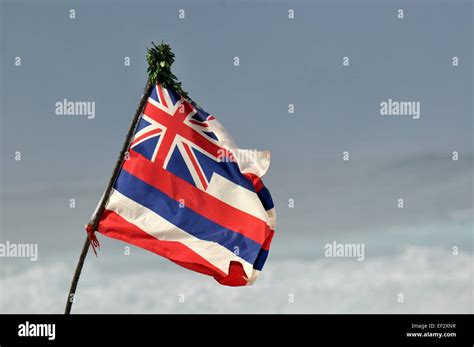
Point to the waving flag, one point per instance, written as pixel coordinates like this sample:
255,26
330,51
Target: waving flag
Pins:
187,193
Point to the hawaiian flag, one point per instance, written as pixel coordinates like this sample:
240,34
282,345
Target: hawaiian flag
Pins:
187,193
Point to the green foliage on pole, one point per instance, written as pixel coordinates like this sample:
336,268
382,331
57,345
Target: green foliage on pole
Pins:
160,58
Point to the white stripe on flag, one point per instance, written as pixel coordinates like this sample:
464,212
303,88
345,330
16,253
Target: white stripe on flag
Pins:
272,218
240,198
158,227
249,161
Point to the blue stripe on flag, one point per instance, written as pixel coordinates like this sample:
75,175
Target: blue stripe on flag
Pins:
261,258
147,147
200,115
143,124
177,166
226,169
211,135
175,97
154,95
265,198
185,218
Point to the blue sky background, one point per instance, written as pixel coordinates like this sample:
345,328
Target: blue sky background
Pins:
282,61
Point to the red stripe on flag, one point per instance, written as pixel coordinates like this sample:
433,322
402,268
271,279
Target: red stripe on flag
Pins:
114,226
198,123
256,181
162,97
268,241
197,200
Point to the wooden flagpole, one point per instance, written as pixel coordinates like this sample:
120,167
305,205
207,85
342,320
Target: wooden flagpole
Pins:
103,202
159,58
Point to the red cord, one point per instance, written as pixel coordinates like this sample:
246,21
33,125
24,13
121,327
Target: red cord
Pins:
92,238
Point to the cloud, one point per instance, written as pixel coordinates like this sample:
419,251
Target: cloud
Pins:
363,193
431,280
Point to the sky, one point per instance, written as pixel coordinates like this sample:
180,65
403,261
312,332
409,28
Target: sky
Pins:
283,61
